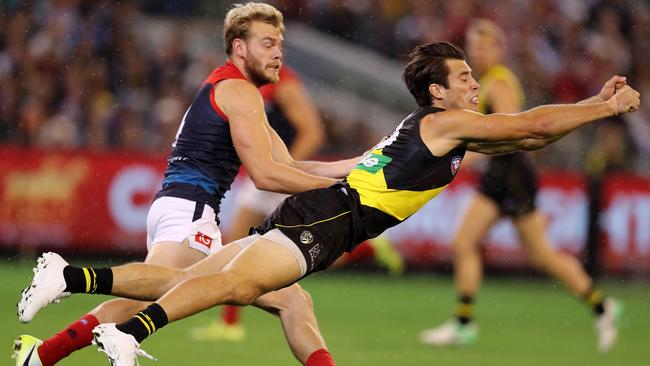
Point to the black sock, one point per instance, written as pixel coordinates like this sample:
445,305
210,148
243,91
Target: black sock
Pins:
88,280
145,322
596,299
465,310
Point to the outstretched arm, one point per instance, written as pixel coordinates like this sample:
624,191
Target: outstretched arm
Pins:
607,92
503,98
542,123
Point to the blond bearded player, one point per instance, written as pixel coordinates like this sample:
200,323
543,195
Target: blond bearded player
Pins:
224,127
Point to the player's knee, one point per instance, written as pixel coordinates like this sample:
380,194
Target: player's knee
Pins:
297,299
307,298
243,294
540,259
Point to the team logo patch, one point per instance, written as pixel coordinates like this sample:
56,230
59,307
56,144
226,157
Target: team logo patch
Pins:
306,237
373,163
72,333
455,164
203,239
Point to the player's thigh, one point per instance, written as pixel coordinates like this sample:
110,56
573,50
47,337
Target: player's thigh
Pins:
481,214
216,262
265,264
173,254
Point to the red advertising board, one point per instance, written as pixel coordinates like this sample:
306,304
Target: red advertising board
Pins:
625,224
75,201
98,202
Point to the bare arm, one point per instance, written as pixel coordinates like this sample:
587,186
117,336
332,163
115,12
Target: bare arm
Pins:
335,169
451,128
249,129
302,114
608,90
296,105
495,148
502,98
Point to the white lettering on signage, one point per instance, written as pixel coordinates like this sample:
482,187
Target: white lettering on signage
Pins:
131,216
627,222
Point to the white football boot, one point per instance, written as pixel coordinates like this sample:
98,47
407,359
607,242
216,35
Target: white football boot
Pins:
451,333
607,324
48,286
121,348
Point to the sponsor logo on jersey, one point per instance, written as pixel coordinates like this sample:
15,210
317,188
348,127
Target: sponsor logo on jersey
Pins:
373,163
306,237
455,164
313,254
203,239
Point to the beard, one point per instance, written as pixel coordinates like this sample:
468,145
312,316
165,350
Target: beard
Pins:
255,71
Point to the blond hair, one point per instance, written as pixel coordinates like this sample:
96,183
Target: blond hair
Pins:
240,17
486,27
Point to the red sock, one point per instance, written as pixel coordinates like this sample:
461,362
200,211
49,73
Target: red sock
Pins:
321,357
76,336
230,314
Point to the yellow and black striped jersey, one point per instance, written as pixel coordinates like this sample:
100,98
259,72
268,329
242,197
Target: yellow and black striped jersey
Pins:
400,175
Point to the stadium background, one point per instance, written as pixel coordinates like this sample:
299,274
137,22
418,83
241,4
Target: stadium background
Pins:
91,96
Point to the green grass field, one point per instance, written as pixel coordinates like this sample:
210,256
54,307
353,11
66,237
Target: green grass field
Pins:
375,320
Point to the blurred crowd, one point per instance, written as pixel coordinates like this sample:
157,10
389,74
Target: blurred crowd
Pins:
76,74
80,73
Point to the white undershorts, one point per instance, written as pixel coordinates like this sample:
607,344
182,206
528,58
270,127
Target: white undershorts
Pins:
264,202
177,219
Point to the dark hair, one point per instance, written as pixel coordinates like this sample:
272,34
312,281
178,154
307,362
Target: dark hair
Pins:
427,66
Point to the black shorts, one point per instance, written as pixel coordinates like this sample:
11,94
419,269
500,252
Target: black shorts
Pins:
511,182
322,223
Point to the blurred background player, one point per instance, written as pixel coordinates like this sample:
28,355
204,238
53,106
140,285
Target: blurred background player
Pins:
508,188
292,114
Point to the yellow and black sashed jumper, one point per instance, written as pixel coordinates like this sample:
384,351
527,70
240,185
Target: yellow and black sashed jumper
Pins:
390,183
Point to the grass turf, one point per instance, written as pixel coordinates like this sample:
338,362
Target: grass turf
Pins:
375,320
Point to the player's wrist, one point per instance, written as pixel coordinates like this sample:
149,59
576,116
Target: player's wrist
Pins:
612,104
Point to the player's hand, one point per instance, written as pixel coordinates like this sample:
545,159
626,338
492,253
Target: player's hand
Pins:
625,100
611,86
